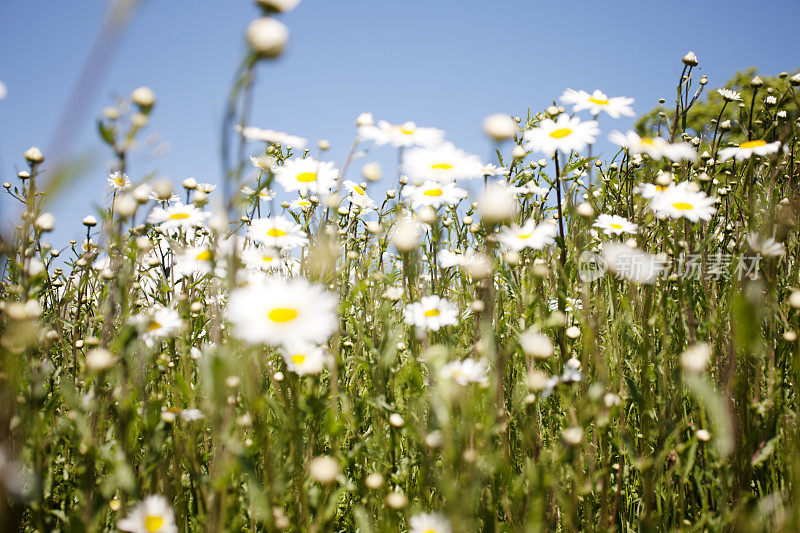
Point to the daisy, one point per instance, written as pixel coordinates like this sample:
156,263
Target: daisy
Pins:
598,101
747,149
192,415
159,323
614,224
119,181
260,258
433,193
278,311
359,197
429,523
151,515
431,312
252,133
278,232
307,175
649,190
680,201
300,204
449,259
465,372
194,260
444,163
655,147
730,96
304,359
563,134
178,216
264,162
402,135
767,247
207,188
171,200
529,235
491,170
263,194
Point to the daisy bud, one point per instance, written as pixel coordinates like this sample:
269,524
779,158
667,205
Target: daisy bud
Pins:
111,113
324,469
497,204
144,244
373,227
99,359
139,120
427,215
573,332
573,435
278,376
33,155
790,335
696,357
374,481
703,435
794,300
189,184
725,125
434,439
372,171
703,80
512,257
770,101
518,152
396,420
535,344
552,111
477,306
144,98
499,127
199,198
795,80
756,82
163,189
690,59
467,220
267,37
585,210
126,205
323,144
542,163
89,221
278,6
142,194
781,115
396,500
479,267
470,455
405,237
364,120
46,222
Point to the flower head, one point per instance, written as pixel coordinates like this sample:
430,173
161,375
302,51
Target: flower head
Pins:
151,515
277,232
176,216
401,135
307,176
749,148
681,201
614,224
655,147
433,193
529,235
431,312
429,523
563,134
598,101
444,163
465,372
118,181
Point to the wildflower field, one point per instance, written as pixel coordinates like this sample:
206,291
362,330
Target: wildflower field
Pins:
543,340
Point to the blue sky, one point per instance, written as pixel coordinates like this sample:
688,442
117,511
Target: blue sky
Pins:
438,62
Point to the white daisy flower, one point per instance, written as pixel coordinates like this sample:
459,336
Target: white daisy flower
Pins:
632,264
749,148
359,197
529,235
263,194
448,259
492,170
429,523
194,260
614,224
158,323
767,247
649,190
192,415
260,258
465,372
444,163
3,90
178,216
431,312
563,134
433,193
303,358
730,96
680,201
598,101
171,200
278,232
300,204
207,188
152,515
252,133
307,176
264,162
655,147
118,181
278,311
407,134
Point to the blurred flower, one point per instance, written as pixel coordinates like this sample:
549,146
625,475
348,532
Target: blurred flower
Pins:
251,133
536,344
307,176
497,204
696,357
324,469
192,415
433,194
679,201
597,102
429,523
277,232
282,312
500,127
152,515
564,134
407,134
193,260
465,372
655,147
529,235
444,163
178,216
267,37
431,312
614,224
303,358
767,247
632,264
749,148
118,181
158,323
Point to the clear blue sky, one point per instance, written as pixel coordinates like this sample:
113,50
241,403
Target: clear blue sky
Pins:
437,62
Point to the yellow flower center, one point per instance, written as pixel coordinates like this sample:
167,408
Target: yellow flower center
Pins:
753,144
205,255
647,141
282,314
560,133
616,226
431,531
298,359
307,177
153,325
661,188
153,523
267,258
178,216
432,312
524,235
407,131
304,203
359,190
433,192
598,101
119,181
683,206
442,166
275,232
